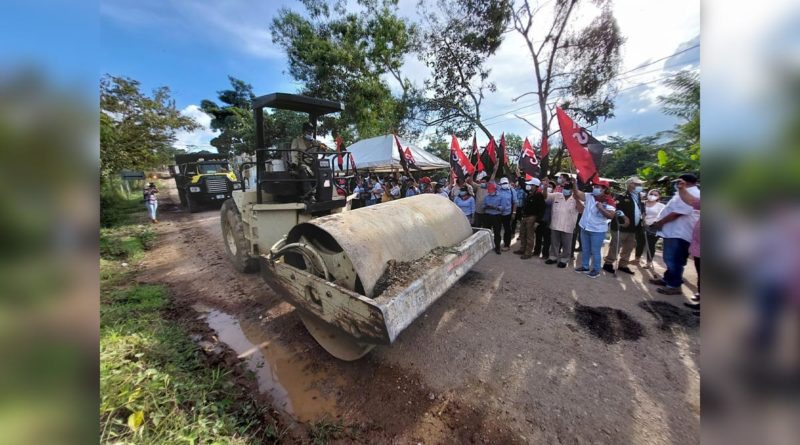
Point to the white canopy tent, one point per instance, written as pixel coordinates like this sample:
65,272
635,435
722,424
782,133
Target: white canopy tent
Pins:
379,154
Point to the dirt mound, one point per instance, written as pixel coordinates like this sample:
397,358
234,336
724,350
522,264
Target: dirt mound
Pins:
607,324
399,274
670,315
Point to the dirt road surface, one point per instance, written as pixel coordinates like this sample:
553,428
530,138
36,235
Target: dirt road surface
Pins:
516,352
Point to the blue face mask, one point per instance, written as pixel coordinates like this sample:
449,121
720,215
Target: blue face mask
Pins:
568,192
597,191
637,189
483,185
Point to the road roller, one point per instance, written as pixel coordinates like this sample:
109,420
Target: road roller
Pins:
357,278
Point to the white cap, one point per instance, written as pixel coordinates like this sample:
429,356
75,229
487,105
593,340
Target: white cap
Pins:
503,181
481,175
534,181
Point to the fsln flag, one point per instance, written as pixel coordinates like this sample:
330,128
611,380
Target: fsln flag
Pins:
502,157
410,162
339,143
528,162
544,150
459,163
579,143
402,154
474,157
489,157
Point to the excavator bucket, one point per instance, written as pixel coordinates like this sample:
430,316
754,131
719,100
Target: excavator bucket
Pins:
359,278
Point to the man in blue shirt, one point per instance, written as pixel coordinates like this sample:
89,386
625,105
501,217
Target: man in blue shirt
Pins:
411,189
507,194
494,205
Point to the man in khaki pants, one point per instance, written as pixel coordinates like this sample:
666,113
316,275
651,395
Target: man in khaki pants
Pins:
532,211
625,228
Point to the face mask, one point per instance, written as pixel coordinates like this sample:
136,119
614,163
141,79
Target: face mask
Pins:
483,185
549,189
597,191
504,186
566,192
527,187
638,189
462,194
560,180
652,198
676,187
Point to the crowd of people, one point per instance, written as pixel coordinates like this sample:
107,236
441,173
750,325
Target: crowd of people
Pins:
557,218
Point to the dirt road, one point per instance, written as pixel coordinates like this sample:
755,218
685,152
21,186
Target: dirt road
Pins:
516,352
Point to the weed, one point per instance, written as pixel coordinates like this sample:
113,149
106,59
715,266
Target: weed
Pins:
324,431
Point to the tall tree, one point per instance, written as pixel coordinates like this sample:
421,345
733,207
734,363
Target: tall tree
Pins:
136,130
459,38
571,67
350,55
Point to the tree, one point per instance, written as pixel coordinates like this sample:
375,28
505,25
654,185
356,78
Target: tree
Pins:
572,68
348,56
439,146
514,146
234,119
681,151
136,130
625,157
460,37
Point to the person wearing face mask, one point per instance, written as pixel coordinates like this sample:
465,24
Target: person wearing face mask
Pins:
599,208
649,238
519,199
495,205
565,211
509,206
675,225
466,203
541,245
480,195
625,229
532,211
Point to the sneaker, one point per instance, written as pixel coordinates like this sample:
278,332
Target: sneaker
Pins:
518,252
581,269
550,262
695,298
693,306
649,265
593,274
658,282
608,268
669,290
626,269
562,265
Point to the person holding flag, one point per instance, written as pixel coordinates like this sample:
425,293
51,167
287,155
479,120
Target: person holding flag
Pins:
598,211
532,211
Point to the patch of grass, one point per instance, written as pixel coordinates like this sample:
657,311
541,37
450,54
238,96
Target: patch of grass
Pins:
155,386
324,431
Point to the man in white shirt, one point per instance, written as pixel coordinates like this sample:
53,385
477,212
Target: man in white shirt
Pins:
675,225
598,210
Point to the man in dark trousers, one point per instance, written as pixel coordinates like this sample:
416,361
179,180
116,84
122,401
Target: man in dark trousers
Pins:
624,227
495,205
532,212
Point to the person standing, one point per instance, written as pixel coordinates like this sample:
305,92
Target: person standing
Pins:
542,243
675,225
624,233
519,200
151,201
411,188
694,247
598,210
480,195
440,190
508,205
565,211
377,191
466,203
532,211
648,238
494,206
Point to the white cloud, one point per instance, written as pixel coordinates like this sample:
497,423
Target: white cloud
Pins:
199,139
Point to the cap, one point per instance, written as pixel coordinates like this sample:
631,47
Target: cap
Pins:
634,180
503,181
688,177
480,176
492,187
534,181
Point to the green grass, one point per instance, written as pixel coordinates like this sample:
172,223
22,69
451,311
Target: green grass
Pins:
324,431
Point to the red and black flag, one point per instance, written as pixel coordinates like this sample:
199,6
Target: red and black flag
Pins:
502,157
474,157
489,156
410,162
459,163
584,149
528,162
544,150
339,156
402,155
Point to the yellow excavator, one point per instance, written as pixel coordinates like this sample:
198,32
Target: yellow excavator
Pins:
357,278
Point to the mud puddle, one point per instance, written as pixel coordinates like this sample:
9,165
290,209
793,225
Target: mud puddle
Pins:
608,324
284,376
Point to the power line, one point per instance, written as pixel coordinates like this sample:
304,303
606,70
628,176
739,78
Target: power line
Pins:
659,60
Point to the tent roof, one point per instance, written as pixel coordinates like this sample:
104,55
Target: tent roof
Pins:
380,154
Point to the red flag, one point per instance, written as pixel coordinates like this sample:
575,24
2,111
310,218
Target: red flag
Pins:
544,150
352,161
410,162
528,177
528,162
492,150
339,143
475,156
577,140
503,148
459,163
402,154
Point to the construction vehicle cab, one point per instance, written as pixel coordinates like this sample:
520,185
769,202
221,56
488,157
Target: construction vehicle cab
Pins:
335,265
203,179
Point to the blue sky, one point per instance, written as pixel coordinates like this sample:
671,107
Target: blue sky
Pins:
192,46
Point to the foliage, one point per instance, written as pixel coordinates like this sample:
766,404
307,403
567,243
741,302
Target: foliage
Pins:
234,119
514,147
324,431
440,146
681,151
624,157
154,386
136,130
459,38
573,68
346,54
